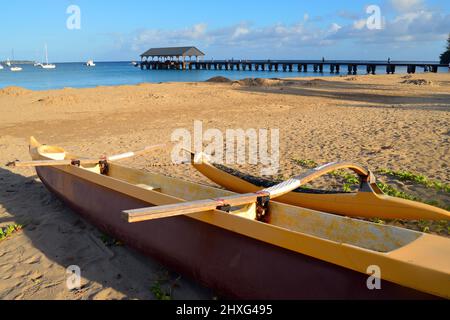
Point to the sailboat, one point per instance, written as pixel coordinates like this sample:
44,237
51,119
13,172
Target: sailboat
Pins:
1,67
90,63
8,63
13,68
47,65
16,69
36,63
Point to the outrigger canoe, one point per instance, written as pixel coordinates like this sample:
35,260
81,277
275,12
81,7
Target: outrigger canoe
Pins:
293,253
368,202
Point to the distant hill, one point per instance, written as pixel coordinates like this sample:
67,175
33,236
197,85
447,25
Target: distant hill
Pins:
18,62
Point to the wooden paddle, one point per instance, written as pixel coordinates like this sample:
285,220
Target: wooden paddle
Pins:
283,188
53,163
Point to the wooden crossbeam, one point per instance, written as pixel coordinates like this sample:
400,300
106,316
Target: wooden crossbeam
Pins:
152,213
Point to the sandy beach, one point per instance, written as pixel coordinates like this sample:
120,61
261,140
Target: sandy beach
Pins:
394,122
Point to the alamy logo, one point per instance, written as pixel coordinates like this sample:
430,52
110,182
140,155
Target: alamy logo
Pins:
374,281
74,20
73,281
375,20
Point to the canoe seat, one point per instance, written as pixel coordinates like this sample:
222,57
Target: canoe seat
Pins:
148,187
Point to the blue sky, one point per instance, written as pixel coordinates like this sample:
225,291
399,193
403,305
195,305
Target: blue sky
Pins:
121,30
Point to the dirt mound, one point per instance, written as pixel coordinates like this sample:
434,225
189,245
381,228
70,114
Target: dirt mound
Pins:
219,79
418,82
259,82
14,91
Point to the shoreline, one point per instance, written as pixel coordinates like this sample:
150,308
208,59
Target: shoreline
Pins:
77,77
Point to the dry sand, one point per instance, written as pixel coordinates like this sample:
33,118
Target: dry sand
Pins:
396,122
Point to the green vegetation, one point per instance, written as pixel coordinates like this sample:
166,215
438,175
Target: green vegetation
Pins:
9,231
159,293
378,221
164,280
445,57
309,164
393,192
439,227
109,241
350,179
417,178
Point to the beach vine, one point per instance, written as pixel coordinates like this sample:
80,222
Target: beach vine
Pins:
417,178
9,230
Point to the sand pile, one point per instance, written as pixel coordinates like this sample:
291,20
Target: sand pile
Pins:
14,91
219,79
258,82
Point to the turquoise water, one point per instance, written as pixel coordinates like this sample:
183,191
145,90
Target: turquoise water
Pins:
77,75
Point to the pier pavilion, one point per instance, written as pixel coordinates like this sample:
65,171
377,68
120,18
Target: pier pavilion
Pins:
170,58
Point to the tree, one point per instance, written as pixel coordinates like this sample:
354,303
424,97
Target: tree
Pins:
445,57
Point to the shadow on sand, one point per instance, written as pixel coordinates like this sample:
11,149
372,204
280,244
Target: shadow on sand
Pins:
357,92
66,239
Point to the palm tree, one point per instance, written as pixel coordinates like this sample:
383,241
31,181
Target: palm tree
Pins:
445,57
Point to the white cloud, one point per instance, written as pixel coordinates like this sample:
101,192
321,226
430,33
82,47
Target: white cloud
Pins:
240,31
197,31
335,28
360,24
407,5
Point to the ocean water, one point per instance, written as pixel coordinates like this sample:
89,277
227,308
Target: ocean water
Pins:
77,75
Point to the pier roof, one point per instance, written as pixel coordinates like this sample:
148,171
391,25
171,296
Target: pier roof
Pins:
173,52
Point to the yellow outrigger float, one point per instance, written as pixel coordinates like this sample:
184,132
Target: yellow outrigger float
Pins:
368,202
246,246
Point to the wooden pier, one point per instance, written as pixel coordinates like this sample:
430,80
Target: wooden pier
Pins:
190,58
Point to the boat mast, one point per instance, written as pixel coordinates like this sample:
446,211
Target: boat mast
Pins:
46,54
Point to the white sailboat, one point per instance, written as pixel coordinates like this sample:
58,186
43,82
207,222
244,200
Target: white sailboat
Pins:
16,69
8,63
90,63
47,65
13,68
1,67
